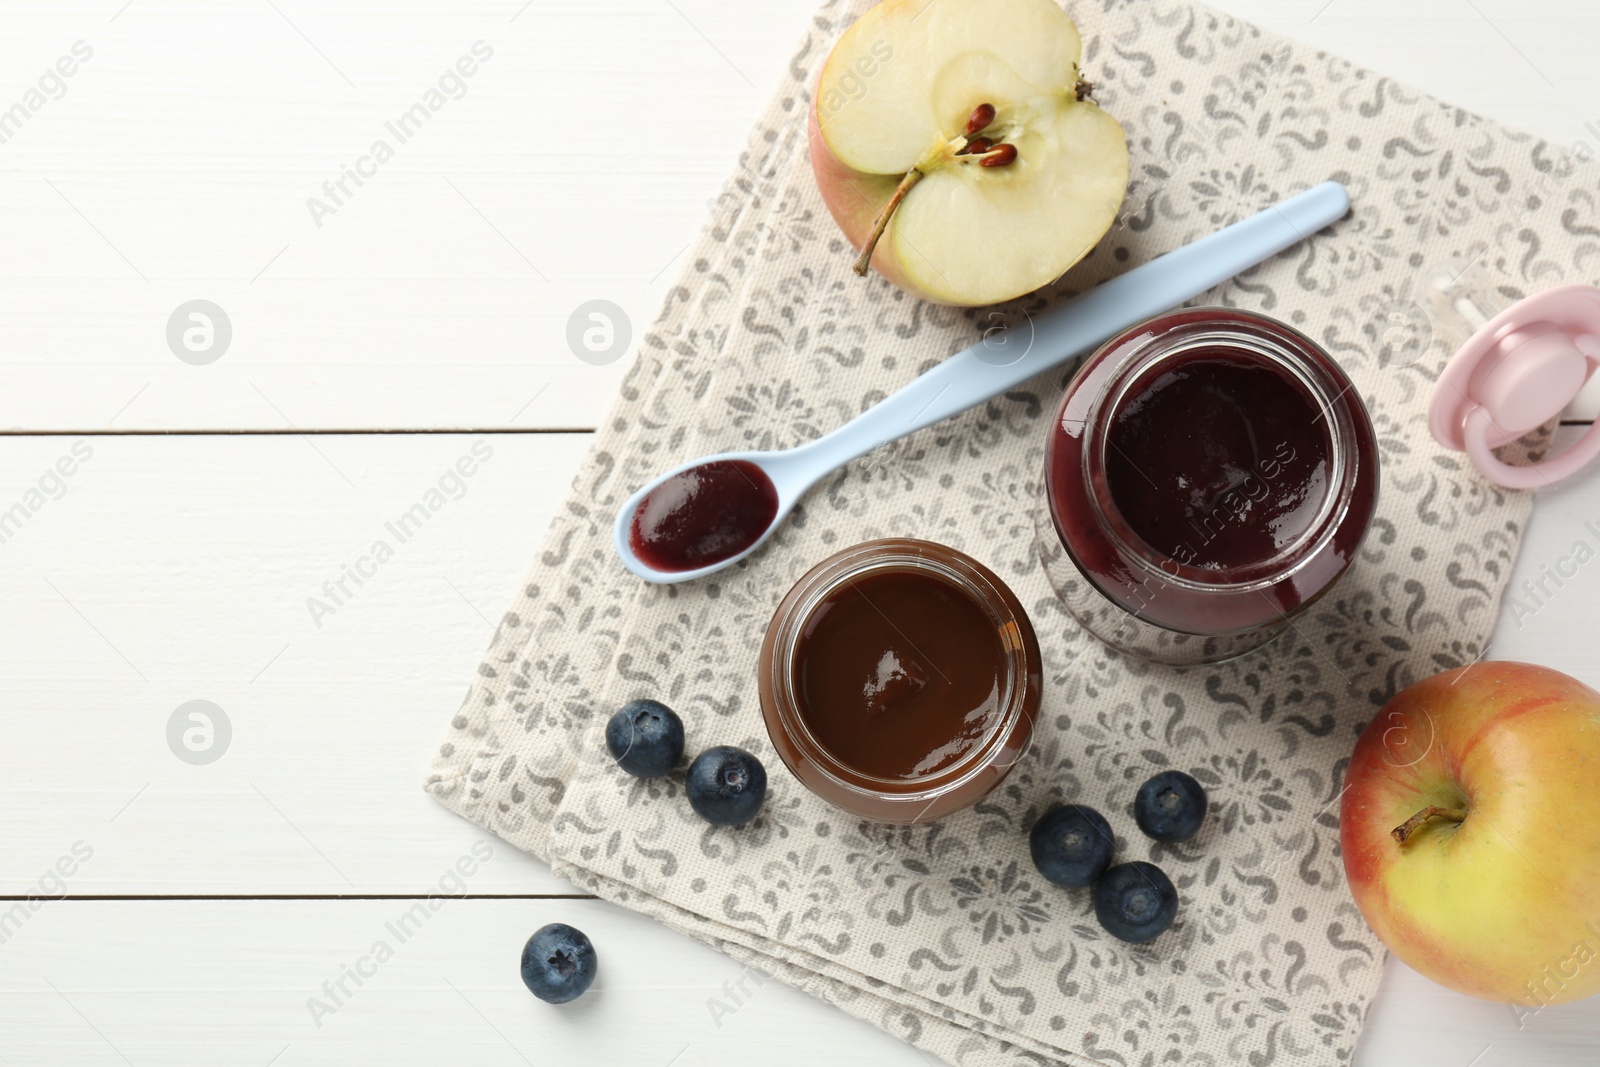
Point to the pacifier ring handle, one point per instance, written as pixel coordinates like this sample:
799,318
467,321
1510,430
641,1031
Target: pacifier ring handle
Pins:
1520,369
1546,472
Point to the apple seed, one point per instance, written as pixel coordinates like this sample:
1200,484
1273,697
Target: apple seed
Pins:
980,119
1003,155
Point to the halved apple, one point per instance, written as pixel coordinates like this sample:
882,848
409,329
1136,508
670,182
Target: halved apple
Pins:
955,144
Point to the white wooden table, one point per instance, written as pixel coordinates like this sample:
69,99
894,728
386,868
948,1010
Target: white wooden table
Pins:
371,345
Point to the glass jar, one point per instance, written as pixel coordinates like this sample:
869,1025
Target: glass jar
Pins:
1210,474
899,680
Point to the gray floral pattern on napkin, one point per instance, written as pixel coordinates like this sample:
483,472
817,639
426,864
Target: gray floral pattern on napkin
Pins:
944,934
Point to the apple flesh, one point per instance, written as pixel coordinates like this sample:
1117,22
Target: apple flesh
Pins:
954,144
1470,829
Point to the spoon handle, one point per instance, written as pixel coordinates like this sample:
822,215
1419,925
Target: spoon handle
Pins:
993,365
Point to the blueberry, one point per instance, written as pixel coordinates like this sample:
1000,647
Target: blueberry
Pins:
1170,807
726,785
1135,901
558,963
1071,846
645,738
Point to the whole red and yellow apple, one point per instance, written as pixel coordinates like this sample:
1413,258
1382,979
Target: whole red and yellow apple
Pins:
956,145
1471,831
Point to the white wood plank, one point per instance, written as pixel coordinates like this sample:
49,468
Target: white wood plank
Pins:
583,158
194,558
1415,1022
228,982
344,765
591,143
178,568
87,983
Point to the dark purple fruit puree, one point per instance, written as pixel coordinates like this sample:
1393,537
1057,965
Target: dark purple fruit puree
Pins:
703,515
1211,472
1218,462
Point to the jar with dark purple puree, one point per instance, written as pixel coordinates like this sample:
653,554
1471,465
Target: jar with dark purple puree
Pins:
1210,474
899,680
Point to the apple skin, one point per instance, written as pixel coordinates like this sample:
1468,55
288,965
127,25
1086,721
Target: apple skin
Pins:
1506,904
854,200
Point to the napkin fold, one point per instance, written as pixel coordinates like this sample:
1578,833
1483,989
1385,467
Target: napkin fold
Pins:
944,934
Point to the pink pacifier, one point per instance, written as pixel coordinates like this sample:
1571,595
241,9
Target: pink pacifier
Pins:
1519,371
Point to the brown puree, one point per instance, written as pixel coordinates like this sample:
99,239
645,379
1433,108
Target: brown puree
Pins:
899,673
899,680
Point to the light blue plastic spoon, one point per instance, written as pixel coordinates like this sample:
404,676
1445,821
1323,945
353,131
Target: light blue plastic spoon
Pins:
990,368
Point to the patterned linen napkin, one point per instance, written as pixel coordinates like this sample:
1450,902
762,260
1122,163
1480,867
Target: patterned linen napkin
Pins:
944,934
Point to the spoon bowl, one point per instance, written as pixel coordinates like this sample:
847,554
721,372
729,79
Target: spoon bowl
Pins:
789,472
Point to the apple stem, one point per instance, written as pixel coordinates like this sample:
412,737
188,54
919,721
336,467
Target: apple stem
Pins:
882,222
1403,832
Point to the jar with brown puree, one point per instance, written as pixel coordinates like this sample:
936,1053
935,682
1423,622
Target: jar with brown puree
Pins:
899,680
